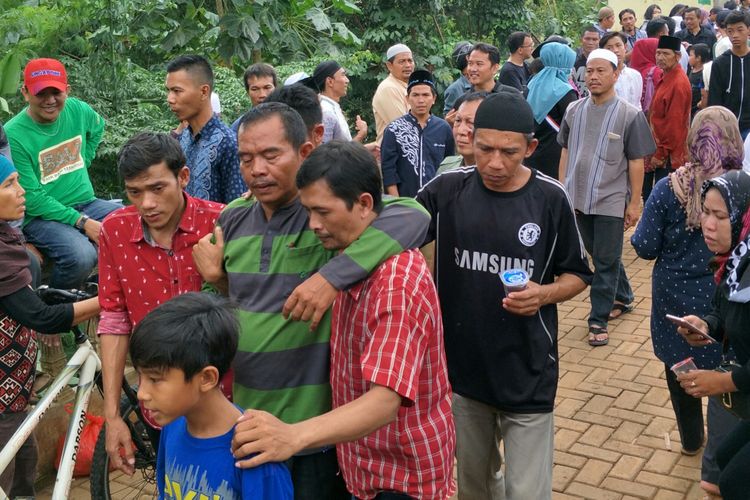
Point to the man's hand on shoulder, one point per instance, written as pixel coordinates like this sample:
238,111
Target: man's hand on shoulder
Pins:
310,300
261,434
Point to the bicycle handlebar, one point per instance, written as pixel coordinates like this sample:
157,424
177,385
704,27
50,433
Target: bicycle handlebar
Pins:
52,296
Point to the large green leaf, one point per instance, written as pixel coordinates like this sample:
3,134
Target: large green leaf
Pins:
4,106
10,73
319,19
239,25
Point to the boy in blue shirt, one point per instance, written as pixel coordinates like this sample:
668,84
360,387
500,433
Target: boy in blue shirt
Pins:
181,349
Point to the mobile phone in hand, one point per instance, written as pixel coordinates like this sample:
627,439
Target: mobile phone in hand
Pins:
690,327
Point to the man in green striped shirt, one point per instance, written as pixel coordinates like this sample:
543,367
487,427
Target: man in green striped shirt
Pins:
264,251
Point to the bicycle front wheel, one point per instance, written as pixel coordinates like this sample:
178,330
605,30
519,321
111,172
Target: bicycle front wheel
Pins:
106,485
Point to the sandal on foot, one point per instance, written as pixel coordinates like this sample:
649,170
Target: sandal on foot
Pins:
598,336
620,310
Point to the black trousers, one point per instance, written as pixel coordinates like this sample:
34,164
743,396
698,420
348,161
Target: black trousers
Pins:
733,457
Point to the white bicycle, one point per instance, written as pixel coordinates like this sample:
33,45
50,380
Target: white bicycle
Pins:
86,363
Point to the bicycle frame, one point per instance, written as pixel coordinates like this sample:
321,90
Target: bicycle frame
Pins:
88,363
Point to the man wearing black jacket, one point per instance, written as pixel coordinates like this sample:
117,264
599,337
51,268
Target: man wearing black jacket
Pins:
730,73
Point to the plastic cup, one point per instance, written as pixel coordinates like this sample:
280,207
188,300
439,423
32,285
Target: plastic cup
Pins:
514,280
683,366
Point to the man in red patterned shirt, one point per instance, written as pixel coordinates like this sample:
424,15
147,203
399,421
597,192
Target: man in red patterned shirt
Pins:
145,258
391,422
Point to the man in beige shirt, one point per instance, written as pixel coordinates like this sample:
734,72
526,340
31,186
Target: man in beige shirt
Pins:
389,101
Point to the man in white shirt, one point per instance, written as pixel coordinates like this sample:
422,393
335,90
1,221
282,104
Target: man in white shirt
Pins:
629,85
389,101
330,81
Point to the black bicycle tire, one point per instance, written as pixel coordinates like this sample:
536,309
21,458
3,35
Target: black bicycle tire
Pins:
99,479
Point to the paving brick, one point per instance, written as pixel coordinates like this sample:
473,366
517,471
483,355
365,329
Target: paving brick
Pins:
628,360
594,452
627,467
571,379
683,472
628,487
629,449
587,491
562,476
663,481
600,389
568,407
632,416
626,372
573,425
660,425
628,400
628,348
556,495
658,396
563,393
628,431
593,418
594,472
668,495
596,435
629,385
562,458
662,462
656,410
565,438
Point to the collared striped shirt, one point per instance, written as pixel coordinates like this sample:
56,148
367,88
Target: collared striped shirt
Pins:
281,366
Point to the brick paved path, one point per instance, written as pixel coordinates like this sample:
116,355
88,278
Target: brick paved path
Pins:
612,412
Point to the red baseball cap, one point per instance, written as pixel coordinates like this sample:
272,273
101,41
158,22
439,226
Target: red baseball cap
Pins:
40,74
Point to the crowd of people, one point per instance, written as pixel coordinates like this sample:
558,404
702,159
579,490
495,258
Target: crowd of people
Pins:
266,278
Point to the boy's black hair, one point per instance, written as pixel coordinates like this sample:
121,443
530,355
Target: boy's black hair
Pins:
694,10
348,168
197,66
259,70
190,332
609,36
701,50
736,17
294,127
303,100
492,53
730,5
147,149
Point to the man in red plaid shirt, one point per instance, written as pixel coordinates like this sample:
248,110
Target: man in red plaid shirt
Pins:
391,422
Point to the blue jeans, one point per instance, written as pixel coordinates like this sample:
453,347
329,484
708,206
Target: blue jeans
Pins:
317,476
73,254
602,236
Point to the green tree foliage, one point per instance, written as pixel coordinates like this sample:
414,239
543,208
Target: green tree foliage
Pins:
116,50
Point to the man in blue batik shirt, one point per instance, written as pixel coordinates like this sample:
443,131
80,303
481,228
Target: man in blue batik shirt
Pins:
415,144
209,145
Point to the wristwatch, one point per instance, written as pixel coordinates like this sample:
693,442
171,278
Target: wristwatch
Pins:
81,223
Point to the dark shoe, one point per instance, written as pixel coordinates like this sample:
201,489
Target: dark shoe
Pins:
618,310
598,336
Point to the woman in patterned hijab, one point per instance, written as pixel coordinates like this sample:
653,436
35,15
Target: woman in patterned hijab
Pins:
715,146
681,283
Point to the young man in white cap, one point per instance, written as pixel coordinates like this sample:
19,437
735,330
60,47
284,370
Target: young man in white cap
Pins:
416,143
604,140
501,348
389,101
